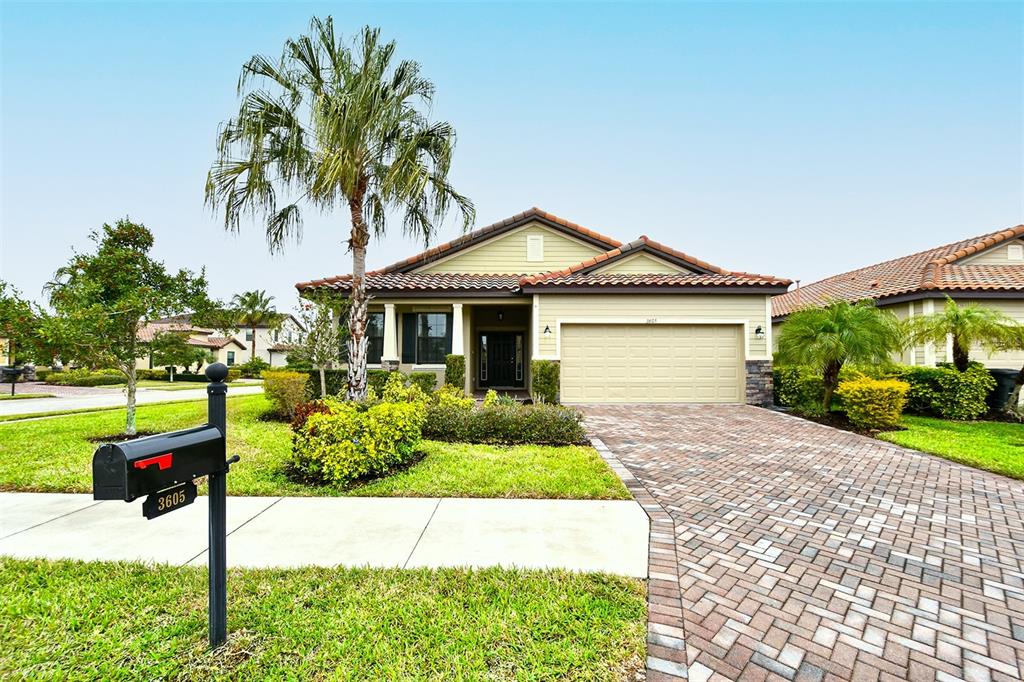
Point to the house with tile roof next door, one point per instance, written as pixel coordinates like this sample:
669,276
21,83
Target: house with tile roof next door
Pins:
987,270
632,322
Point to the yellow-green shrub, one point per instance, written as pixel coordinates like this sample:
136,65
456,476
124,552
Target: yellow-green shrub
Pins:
354,441
286,390
452,396
490,398
396,391
873,403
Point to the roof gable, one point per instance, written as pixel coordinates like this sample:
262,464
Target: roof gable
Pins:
640,263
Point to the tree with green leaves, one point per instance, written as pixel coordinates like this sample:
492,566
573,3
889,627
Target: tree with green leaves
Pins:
329,125
969,325
321,342
18,320
172,349
841,332
101,299
254,309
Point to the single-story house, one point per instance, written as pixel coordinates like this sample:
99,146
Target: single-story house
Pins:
273,342
628,322
988,270
226,349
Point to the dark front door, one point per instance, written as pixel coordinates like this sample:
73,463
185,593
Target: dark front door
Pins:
501,360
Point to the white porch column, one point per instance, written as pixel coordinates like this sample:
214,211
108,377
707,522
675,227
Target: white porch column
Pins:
457,345
390,353
929,348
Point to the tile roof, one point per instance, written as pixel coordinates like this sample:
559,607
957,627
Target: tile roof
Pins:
654,281
282,347
932,270
214,341
411,281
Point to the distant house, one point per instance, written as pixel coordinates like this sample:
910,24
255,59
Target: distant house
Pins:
272,343
226,349
988,270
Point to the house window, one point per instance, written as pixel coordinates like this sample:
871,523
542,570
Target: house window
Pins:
248,335
231,357
277,335
431,338
374,337
534,248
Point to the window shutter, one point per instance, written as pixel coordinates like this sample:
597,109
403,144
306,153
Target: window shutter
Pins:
409,338
447,333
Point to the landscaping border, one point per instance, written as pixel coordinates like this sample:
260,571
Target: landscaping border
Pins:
666,638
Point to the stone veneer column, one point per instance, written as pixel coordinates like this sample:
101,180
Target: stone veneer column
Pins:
759,383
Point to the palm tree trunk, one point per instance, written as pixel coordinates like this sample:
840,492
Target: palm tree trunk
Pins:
831,382
252,355
129,424
357,311
961,359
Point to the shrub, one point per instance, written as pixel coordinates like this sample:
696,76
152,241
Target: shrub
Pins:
84,377
336,380
541,424
152,374
42,373
545,380
450,395
376,378
286,390
253,369
354,441
945,392
396,390
304,410
455,370
802,389
874,403
233,375
427,381
490,398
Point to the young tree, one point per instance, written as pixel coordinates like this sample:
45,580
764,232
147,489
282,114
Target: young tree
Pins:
321,343
18,320
332,125
969,325
172,349
827,338
254,309
101,299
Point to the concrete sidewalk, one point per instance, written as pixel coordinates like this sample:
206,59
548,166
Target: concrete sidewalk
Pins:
582,535
113,398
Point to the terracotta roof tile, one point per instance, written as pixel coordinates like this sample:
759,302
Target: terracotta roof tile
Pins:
612,280
412,281
934,269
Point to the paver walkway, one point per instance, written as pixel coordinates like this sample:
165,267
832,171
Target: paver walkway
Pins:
809,553
583,535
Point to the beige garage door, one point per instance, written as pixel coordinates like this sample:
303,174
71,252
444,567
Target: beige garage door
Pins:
651,363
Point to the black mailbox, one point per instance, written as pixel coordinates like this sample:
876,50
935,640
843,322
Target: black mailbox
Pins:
128,470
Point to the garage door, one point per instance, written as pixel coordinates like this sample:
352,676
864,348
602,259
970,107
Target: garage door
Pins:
649,363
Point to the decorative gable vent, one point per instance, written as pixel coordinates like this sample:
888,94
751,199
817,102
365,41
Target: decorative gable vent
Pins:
534,248
1015,252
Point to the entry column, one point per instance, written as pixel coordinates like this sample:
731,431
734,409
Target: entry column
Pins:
457,346
390,356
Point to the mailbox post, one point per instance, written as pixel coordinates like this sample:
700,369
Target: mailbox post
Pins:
163,468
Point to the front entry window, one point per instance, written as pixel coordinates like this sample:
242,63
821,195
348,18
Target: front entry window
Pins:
431,338
374,337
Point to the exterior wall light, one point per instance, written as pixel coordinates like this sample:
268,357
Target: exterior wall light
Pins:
547,330
759,332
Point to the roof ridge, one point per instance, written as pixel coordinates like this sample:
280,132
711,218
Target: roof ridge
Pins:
933,271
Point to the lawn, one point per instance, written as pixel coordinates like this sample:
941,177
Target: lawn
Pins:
24,396
993,446
55,455
65,619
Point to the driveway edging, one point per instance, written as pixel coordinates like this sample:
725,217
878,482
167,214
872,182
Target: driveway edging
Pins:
666,645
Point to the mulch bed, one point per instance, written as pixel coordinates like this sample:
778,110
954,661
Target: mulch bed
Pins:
120,437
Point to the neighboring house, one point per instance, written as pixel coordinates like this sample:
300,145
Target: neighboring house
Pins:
227,350
5,350
272,343
636,322
988,270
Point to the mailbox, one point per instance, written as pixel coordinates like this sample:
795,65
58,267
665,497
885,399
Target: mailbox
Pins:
129,470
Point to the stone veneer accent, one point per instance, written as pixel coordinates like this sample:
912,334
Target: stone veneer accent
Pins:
759,383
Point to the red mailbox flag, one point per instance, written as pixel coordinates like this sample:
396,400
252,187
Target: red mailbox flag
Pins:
162,461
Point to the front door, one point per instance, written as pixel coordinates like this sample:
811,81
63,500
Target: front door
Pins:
501,360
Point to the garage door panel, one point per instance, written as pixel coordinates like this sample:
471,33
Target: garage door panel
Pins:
651,363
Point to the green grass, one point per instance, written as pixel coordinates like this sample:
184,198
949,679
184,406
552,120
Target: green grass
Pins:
55,455
171,385
24,396
123,621
993,446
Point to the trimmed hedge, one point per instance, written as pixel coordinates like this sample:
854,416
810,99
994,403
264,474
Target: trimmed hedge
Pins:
84,377
801,389
945,392
540,424
455,371
545,380
873,403
286,390
427,381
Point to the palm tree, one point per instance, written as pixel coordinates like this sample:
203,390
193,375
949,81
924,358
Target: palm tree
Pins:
254,309
969,325
827,338
332,125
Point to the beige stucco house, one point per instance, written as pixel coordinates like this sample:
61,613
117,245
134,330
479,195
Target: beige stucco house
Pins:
628,322
226,349
988,270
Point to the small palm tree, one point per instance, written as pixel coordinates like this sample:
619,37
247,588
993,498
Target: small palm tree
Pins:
254,309
336,126
969,325
828,338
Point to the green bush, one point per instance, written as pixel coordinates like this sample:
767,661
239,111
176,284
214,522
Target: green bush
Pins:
802,389
252,369
455,370
42,373
873,403
233,375
449,395
545,380
355,441
376,378
541,424
336,380
944,392
152,374
285,390
84,377
490,398
427,381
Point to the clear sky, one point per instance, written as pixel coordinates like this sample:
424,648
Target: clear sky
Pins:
797,139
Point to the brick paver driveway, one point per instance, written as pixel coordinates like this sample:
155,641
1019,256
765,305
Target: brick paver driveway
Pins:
805,552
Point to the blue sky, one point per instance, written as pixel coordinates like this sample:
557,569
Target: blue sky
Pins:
798,139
